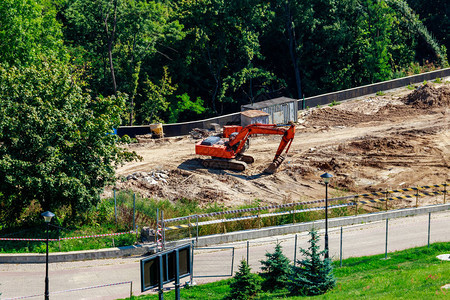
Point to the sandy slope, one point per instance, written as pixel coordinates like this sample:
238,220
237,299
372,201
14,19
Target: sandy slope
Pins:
372,143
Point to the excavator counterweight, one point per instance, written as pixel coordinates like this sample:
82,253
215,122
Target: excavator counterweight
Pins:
227,153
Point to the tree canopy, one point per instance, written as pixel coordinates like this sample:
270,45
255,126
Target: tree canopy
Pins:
55,141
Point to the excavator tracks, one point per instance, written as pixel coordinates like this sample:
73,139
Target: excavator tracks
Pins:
225,164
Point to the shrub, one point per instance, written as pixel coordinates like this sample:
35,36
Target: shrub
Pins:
313,275
245,285
276,270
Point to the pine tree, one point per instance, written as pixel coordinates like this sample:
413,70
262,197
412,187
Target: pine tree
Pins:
313,275
245,285
276,270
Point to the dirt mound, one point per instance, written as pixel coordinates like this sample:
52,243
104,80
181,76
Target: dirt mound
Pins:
333,117
384,144
428,96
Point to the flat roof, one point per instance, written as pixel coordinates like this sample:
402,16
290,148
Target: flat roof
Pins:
253,113
267,103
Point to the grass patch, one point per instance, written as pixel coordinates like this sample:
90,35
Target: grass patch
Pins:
409,274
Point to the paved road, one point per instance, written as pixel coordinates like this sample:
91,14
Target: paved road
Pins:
358,240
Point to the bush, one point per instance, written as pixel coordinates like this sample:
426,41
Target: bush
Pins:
276,270
245,285
313,275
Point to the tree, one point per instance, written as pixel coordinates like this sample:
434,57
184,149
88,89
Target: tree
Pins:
114,37
313,275
276,270
29,32
56,145
220,55
245,285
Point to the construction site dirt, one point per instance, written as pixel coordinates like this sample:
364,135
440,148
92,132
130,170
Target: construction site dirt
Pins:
392,140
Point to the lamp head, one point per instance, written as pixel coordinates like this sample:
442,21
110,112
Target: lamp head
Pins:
48,215
326,177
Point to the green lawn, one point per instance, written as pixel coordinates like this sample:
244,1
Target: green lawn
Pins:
410,274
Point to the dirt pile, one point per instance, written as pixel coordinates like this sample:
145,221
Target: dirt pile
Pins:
428,96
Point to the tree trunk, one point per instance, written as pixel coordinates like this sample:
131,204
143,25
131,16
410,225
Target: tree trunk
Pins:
110,45
292,46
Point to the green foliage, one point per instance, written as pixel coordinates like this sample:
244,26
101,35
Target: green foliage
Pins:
114,38
245,285
438,80
380,93
334,103
29,32
185,106
156,98
313,275
276,270
54,140
411,87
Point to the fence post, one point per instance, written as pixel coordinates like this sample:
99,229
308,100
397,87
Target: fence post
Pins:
429,227
356,205
131,289
191,282
115,206
196,239
134,211
445,191
386,198
156,230
293,214
189,226
417,197
163,230
340,252
248,243
387,229
295,250
224,223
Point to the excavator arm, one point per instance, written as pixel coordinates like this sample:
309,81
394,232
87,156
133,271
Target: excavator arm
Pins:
246,132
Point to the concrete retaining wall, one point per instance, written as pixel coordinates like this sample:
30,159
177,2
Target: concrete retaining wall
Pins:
219,238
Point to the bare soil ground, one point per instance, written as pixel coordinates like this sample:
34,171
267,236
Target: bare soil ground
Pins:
372,143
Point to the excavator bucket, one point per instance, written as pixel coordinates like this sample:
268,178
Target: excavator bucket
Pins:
272,168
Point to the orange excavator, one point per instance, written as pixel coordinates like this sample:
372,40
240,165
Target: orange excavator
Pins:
227,153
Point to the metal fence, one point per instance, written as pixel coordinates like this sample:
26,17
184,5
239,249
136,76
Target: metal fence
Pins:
189,225
381,237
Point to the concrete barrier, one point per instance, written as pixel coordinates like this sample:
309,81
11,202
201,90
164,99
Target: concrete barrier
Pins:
219,238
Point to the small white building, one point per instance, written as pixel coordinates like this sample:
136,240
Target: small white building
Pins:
281,110
254,116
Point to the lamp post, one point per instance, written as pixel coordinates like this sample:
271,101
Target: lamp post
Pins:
326,178
48,215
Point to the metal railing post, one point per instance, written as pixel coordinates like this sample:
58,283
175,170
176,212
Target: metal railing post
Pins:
429,228
248,243
340,250
295,250
387,229
115,206
196,238
134,211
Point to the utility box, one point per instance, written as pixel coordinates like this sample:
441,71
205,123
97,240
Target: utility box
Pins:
253,116
281,110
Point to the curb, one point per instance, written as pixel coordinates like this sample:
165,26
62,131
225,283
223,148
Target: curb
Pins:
217,238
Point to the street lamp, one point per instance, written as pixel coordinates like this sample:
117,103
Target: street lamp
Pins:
48,215
326,178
